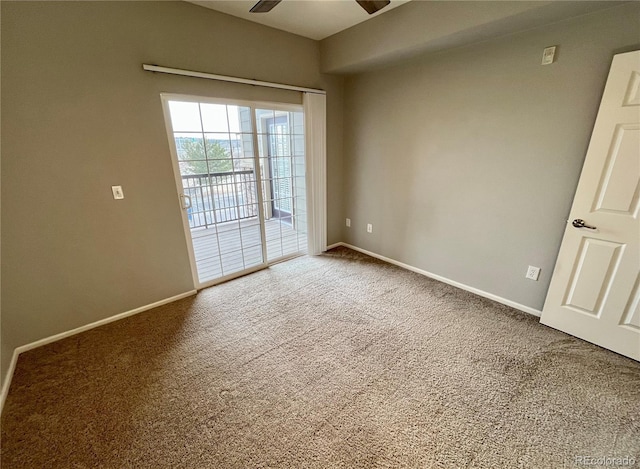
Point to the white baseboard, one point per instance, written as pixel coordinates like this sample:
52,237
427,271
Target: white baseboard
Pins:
334,245
47,340
7,379
462,286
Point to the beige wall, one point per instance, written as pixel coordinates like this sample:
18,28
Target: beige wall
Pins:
411,29
466,162
80,115
419,27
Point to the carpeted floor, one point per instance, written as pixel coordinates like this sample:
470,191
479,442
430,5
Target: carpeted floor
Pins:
332,361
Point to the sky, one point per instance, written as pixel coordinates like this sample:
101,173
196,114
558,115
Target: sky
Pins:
185,117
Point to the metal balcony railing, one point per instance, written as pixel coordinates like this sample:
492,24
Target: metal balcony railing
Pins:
220,197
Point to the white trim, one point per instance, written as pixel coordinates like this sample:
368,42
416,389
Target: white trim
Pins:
77,330
286,258
234,275
191,98
212,76
462,286
178,182
334,245
261,185
7,379
250,270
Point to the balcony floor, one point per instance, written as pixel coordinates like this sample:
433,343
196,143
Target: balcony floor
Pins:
235,246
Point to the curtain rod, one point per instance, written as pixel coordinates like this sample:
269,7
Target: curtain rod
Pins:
211,76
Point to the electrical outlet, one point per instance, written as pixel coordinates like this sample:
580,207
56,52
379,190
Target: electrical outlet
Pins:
369,228
349,222
533,273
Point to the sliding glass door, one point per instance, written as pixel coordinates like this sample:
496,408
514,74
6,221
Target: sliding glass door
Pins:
241,184
282,167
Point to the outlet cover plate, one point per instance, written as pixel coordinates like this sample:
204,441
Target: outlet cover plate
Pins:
533,273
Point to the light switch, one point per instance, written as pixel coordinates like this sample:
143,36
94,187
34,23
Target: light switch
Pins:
117,192
548,55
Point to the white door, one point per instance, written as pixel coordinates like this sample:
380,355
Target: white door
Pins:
595,290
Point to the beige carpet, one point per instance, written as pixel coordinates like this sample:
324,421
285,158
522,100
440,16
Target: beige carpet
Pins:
331,361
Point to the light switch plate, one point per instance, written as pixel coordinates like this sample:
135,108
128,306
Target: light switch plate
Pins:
548,55
117,192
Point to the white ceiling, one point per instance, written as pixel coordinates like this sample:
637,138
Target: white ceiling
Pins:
315,19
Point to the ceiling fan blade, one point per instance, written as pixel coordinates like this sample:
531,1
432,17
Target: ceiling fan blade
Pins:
371,6
264,6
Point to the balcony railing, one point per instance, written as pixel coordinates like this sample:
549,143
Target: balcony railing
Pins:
220,197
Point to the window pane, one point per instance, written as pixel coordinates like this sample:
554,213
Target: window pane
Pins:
245,164
237,142
185,117
244,119
235,120
214,117
263,117
246,145
252,256
298,145
218,152
189,146
188,168
297,122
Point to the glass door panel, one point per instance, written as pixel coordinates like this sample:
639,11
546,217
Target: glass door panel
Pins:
242,179
283,184
214,148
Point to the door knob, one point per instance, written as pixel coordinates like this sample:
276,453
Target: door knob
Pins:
578,223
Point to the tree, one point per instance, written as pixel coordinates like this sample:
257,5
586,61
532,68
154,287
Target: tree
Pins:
191,150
